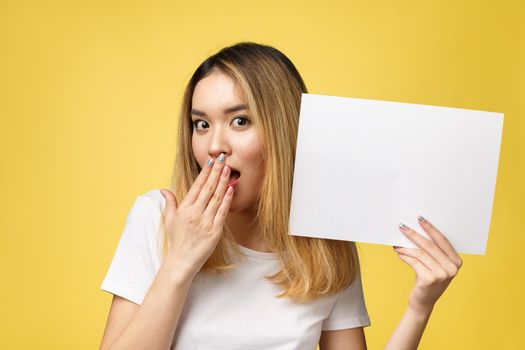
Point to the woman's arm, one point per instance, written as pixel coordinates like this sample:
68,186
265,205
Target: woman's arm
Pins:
152,324
343,339
409,331
435,263
193,230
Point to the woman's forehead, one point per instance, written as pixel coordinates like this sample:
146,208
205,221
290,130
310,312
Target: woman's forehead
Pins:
217,92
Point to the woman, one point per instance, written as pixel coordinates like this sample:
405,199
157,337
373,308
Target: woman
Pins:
210,264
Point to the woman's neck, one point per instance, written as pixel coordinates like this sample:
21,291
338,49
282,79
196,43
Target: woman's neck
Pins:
245,231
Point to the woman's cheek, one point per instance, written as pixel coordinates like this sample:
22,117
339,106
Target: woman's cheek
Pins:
199,152
252,149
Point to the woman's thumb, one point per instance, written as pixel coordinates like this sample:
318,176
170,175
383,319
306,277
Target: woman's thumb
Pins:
171,202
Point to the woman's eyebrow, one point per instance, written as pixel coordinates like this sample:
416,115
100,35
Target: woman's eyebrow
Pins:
226,111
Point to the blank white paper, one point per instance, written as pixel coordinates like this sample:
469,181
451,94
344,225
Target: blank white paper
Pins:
364,166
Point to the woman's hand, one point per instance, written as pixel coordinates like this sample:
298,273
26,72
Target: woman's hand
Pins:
196,224
436,264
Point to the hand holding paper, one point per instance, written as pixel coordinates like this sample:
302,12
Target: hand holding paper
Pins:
435,262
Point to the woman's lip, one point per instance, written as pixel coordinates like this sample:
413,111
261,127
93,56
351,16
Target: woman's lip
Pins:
232,168
234,183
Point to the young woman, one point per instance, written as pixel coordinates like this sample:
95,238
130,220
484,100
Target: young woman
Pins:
210,264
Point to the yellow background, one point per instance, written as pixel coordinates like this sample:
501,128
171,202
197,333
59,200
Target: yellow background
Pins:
89,94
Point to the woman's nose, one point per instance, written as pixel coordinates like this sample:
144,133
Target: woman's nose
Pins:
219,144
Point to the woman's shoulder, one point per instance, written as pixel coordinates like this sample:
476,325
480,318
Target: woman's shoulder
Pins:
154,199
147,209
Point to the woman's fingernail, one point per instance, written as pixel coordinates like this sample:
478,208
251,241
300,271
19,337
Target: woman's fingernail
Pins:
421,219
220,158
210,162
403,227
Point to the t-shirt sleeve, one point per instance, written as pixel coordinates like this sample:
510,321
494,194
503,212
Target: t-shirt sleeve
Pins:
137,257
349,310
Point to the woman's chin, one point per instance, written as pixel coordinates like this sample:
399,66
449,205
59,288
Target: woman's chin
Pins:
238,207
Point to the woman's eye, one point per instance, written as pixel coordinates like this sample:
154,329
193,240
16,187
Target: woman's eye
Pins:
199,124
242,121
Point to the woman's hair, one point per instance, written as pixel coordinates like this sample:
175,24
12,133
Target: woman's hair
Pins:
272,87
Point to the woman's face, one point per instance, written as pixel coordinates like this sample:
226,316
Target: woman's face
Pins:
223,124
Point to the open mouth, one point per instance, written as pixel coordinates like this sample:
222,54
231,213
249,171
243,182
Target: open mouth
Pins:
234,177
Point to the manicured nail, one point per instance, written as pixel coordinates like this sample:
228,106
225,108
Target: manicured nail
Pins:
421,219
210,162
403,227
220,158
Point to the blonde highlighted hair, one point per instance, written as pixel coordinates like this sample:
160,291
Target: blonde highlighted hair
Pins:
272,87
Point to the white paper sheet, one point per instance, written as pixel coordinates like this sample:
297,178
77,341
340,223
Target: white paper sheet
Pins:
364,166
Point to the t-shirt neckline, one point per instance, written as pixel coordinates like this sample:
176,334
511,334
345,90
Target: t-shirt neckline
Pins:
255,253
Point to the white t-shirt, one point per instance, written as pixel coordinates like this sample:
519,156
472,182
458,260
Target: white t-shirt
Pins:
233,310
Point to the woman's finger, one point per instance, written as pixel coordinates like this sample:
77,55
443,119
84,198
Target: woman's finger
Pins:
440,240
171,203
224,208
439,271
427,245
216,200
210,186
199,182
419,268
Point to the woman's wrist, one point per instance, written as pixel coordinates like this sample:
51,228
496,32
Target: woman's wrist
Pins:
420,313
178,272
